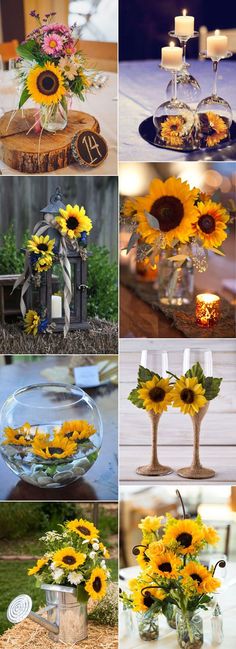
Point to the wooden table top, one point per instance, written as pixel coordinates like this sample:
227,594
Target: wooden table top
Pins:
101,482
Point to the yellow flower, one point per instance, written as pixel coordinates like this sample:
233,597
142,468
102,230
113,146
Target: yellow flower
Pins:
142,601
18,436
218,128
200,578
73,221
97,584
69,558
83,528
39,565
150,524
31,322
184,536
156,394
171,203
43,263
165,565
57,448
141,556
211,226
210,535
41,245
188,395
45,84
171,130
129,208
103,549
77,430
155,548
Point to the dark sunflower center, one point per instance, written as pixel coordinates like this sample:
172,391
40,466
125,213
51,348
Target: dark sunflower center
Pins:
42,246
83,530
68,435
18,436
169,212
147,600
196,578
69,560
174,127
72,223
97,584
207,223
187,395
157,394
55,449
47,83
165,567
184,539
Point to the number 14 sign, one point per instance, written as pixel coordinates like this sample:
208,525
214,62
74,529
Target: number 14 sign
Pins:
90,148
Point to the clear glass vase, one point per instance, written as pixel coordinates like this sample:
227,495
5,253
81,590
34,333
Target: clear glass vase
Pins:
148,625
54,117
175,282
170,614
189,630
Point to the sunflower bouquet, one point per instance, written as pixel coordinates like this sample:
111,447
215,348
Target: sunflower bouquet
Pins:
51,70
172,574
74,556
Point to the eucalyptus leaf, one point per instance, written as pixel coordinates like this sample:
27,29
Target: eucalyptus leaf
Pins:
132,241
180,258
218,252
153,222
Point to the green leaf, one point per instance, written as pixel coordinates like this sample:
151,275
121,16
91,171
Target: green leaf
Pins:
197,371
82,595
26,50
135,399
212,387
144,374
24,96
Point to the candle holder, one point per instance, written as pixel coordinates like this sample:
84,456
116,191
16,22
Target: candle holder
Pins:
207,310
188,87
214,113
174,120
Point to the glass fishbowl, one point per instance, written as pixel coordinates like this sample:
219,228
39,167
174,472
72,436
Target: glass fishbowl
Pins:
50,433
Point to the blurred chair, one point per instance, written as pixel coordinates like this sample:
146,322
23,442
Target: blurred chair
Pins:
101,55
203,33
8,50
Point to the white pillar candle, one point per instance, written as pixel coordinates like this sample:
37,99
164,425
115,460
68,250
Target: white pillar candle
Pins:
217,45
172,57
144,358
56,306
184,25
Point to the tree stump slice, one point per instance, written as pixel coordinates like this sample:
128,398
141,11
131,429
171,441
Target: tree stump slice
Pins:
30,153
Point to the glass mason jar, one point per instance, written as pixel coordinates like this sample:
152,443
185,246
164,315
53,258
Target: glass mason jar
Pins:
50,433
189,630
54,117
170,613
148,625
175,282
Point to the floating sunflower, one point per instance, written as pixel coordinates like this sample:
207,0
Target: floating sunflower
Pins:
45,84
198,577
184,536
58,448
166,565
150,524
188,395
156,394
77,430
39,565
69,558
73,221
171,203
218,129
31,322
83,528
171,130
18,436
41,245
96,585
211,224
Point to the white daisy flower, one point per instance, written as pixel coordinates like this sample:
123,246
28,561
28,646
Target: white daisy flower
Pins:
68,67
92,554
95,546
75,578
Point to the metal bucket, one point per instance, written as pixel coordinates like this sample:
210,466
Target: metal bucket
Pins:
69,615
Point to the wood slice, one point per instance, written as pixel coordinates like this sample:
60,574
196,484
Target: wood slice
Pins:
29,153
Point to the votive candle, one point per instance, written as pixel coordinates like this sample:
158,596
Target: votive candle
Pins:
217,45
172,57
207,309
56,306
184,25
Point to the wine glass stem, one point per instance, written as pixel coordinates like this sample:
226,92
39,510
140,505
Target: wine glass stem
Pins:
196,430
184,53
174,86
155,422
215,77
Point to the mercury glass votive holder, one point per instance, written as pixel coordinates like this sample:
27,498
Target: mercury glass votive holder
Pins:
207,310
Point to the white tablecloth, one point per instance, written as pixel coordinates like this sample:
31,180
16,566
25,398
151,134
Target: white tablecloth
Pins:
167,638
102,103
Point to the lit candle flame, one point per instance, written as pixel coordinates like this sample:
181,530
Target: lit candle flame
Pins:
184,12
217,32
172,44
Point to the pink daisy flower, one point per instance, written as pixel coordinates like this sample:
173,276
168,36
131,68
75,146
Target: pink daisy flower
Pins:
52,44
56,27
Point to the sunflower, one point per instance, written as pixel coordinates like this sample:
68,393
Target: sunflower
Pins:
141,556
41,245
129,208
165,565
58,448
210,535
150,524
31,322
45,84
201,579
77,430
18,436
188,395
211,226
218,129
39,565
83,528
43,263
171,130
184,536
155,548
96,585
73,221
171,203
142,601
156,394
104,550
69,558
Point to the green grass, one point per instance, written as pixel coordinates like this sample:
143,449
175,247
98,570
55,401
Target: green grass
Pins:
14,581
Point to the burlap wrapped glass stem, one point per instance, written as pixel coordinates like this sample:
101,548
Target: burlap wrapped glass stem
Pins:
207,309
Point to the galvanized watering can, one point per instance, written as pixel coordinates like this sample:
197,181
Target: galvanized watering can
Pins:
66,617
